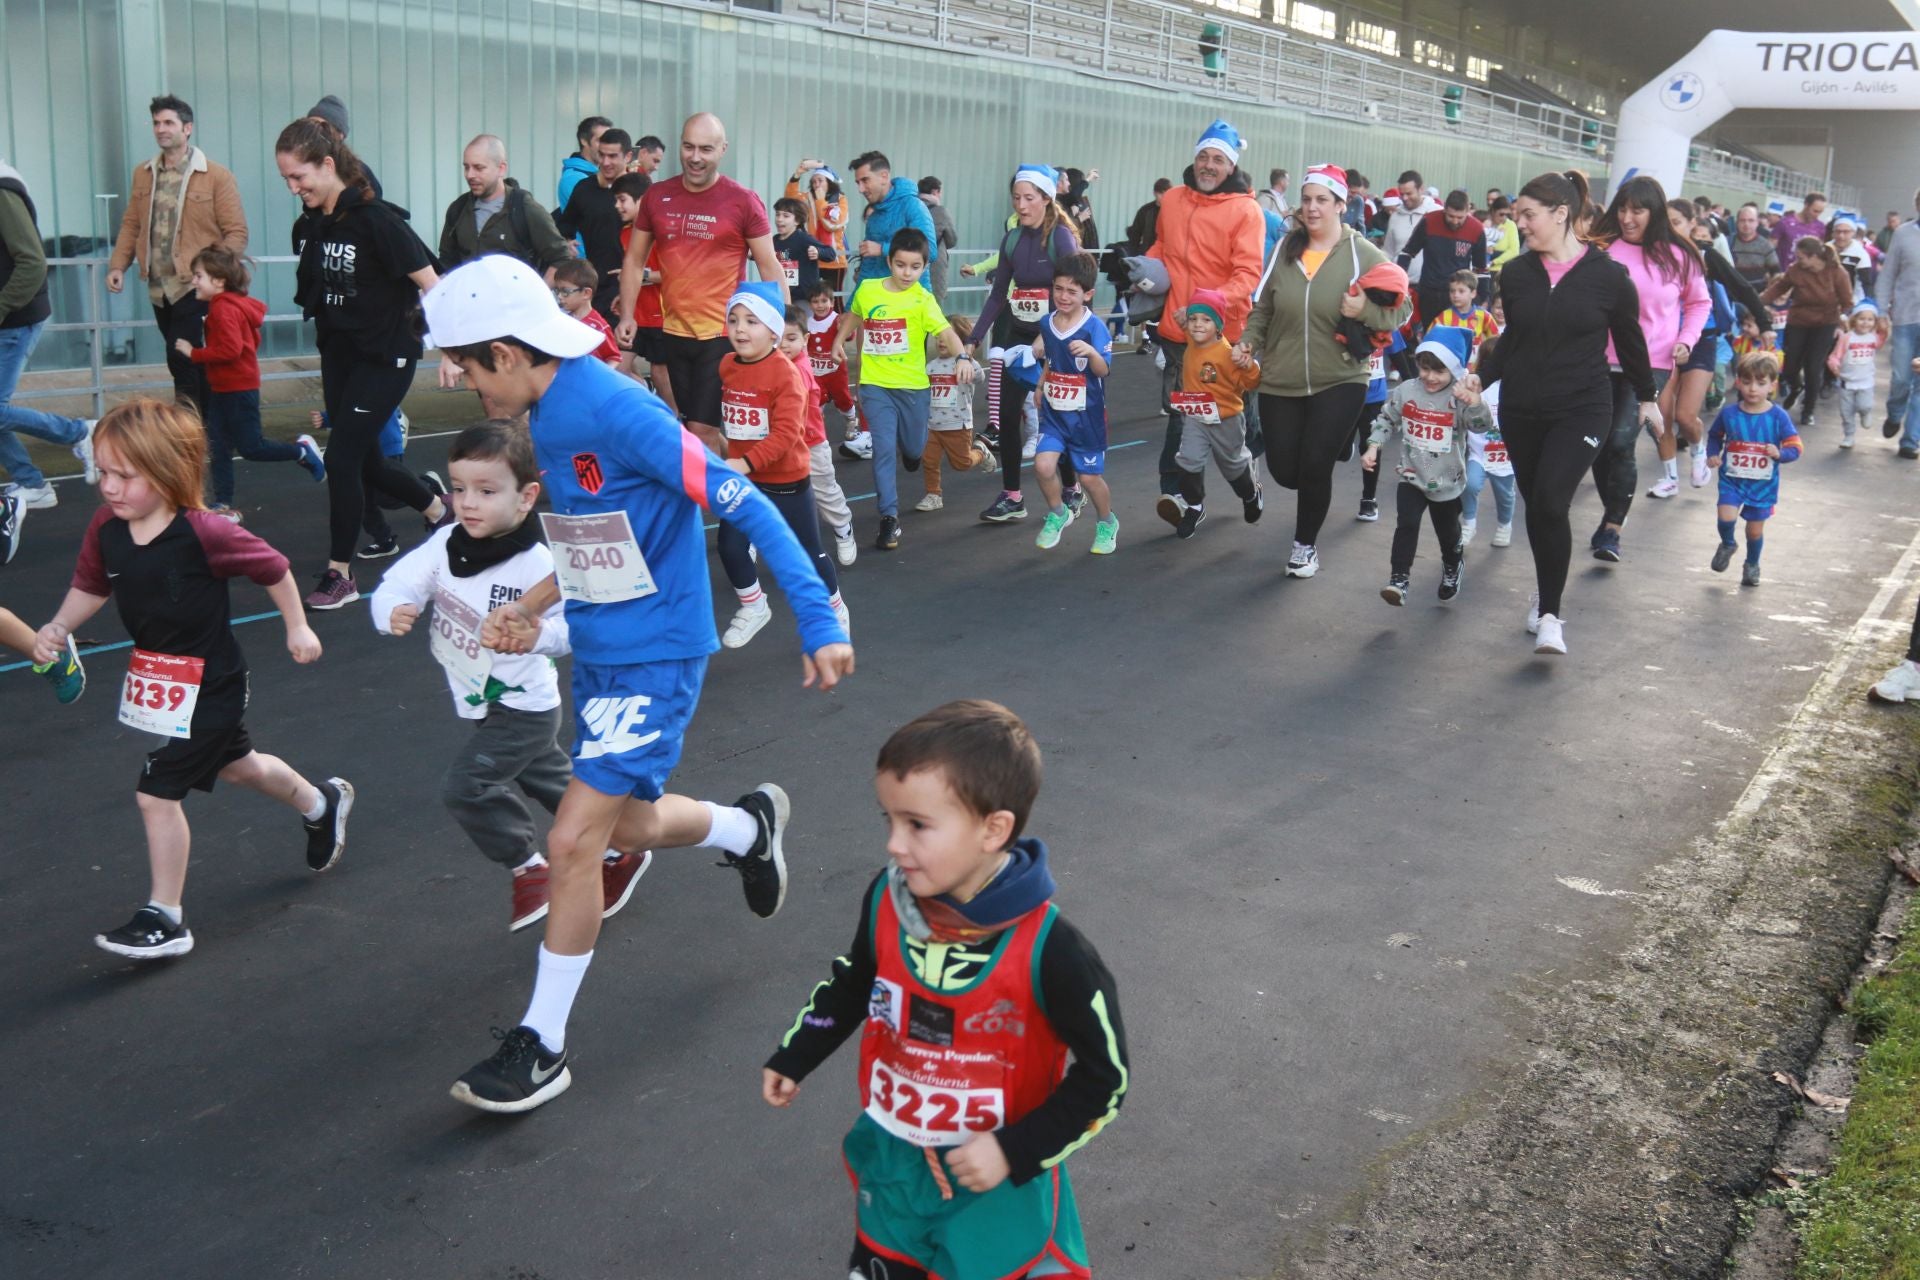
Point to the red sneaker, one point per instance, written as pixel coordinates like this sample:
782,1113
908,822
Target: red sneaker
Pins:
620,875
529,897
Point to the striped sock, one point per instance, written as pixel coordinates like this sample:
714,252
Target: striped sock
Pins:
994,368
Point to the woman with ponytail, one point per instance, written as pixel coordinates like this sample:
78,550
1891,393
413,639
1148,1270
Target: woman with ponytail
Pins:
1671,281
362,271
1568,306
1822,293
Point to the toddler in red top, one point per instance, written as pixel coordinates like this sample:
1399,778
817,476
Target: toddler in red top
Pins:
573,282
764,410
823,322
232,360
828,496
166,562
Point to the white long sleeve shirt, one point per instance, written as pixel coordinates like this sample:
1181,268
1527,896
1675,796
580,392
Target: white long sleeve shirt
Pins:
529,681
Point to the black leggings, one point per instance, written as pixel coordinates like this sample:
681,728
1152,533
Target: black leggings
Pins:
1413,502
1362,428
795,502
1305,435
360,396
1550,452
1013,399
1803,362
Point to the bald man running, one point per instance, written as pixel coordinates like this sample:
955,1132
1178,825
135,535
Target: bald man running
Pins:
705,227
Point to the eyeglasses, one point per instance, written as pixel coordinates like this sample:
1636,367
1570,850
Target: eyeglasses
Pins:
564,293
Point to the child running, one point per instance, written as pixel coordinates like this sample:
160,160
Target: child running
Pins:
894,316
1462,287
232,360
1432,413
1855,355
573,283
628,486
1488,463
490,555
1077,349
165,561
828,496
1212,419
950,421
649,316
1749,442
829,368
801,256
1377,388
970,991
764,407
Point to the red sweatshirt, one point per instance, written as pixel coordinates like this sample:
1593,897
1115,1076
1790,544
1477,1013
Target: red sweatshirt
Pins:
763,413
232,353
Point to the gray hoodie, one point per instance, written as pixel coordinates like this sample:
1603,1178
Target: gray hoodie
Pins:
1438,466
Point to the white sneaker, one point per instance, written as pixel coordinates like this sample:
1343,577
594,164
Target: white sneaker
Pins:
932,502
860,446
846,550
83,450
1552,637
1467,529
1898,685
1667,487
1029,447
1304,562
1533,613
1700,473
35,499
746,624
1502,535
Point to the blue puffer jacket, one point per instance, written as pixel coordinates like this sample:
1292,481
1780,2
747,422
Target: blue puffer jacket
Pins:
902,208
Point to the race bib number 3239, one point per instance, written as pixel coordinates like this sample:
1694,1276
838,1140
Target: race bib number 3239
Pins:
161,692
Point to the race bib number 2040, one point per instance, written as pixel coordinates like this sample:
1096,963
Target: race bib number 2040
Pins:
596,559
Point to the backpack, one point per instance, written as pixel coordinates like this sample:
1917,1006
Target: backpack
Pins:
516,211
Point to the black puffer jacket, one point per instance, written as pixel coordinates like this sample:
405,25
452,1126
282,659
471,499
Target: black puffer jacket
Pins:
1553,352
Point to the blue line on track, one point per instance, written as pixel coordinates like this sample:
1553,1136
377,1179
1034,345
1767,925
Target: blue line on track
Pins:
262,617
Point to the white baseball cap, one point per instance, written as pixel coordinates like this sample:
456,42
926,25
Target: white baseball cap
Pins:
496,296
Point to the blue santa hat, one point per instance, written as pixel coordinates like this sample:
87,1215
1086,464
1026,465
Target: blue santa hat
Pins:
1450,345
762,298
1865,304
1044,177
1221,137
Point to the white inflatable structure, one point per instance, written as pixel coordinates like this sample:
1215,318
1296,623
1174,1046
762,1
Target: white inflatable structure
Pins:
1817,71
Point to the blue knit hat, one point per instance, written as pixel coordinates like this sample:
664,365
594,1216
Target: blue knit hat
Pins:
762,298
1450,345
1222,137
1044,177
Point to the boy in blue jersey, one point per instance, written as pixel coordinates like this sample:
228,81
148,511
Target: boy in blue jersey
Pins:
628,486
1076,349
1748,443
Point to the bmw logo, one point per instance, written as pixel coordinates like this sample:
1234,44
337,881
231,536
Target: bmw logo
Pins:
1682,91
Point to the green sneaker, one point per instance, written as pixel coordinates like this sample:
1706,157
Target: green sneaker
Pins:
65,674
1105,534
1052,527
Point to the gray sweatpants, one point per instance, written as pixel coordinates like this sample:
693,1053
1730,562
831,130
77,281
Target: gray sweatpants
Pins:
828,497
1856,408
508,748
1226,440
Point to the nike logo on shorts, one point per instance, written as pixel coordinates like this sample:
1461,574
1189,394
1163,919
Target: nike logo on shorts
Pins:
608,726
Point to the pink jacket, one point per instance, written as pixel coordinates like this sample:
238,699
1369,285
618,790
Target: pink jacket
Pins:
1671,311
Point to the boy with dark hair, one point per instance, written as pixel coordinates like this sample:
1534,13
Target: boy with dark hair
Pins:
1077,350
629,487
1462,313
649,317
801,256
1749,442
970,992
573,283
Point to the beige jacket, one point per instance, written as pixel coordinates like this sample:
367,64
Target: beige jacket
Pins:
210,214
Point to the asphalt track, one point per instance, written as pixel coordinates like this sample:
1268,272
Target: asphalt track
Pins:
1319,840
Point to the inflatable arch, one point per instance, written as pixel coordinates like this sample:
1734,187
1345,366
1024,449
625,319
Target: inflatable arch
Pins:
1852,71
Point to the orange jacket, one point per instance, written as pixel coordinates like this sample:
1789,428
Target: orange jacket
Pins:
826,220
1210,241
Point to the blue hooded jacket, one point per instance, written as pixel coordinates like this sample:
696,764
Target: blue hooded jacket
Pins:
572,169
902,208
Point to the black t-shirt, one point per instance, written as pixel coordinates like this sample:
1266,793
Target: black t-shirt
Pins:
353,274
172,594
793,249
591,215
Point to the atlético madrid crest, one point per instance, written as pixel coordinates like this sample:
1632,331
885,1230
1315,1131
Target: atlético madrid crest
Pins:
586,469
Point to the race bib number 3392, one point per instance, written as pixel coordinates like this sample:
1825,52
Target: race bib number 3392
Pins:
595,558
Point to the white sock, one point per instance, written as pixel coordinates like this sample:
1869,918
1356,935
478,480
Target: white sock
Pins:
844,533
1673,468
734,830
170,910
319,806
555,984
533,860
751,596
836,601
1697,450
611,855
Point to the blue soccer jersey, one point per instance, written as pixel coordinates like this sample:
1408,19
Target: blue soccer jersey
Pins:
607,447
1749,477
1073,400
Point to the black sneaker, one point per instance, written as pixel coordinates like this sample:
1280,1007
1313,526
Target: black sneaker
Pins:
1250,508
1890,428
1722,557
1395,592
1908,452
519,1076
12,512
889,534
763,868
379,549
1369,511
327,835
148,936
1450,576
911,461
1606,546
1189,521
1749,575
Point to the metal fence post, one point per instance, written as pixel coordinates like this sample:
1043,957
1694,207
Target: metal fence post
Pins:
1106,39
95,364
